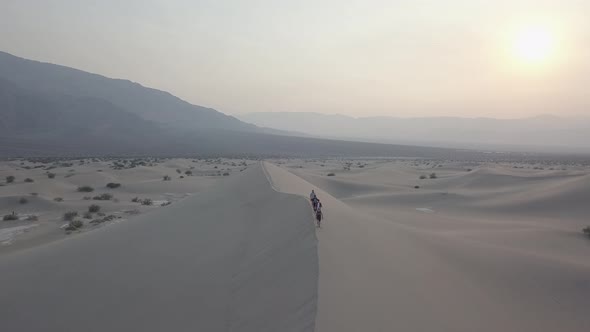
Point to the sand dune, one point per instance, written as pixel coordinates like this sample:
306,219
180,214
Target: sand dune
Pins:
382,272
236,258
242,254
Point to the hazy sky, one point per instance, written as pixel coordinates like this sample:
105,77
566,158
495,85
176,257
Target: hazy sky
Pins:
356,57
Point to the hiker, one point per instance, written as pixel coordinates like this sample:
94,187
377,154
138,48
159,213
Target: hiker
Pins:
314,203
319,215
312,196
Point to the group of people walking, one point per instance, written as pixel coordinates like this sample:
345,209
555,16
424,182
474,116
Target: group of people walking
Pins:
317,207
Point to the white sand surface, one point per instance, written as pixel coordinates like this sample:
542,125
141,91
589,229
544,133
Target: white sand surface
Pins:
238,257
385,266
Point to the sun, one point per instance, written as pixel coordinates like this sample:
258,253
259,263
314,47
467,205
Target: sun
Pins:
534,45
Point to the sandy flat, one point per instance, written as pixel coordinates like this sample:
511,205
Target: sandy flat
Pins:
386,266
47,199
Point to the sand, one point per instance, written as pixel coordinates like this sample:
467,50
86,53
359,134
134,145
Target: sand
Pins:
47,199
234,258
481,246
469,251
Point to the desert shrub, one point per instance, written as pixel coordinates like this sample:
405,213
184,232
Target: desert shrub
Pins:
23,200
433,176
32,218
51,175
74,225
167,178
416,187
34,194
178,171
147,201
586,230
103,197
166,203
29,180
188,173
135,200
58,199
93,208
226,174
69,216
182,177
112,185
422,177
331,174
10,217
10,179
85,189
104,219
87,215
469,170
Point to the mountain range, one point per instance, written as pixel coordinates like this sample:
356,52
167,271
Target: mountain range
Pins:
544,133
52,110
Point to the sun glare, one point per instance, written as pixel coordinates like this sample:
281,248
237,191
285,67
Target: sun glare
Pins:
534,45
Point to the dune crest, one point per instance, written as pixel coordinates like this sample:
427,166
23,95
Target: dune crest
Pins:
406,270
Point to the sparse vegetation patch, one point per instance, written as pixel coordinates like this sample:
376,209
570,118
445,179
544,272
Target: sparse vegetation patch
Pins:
69,216
10,217
103,197
74,225
104,219
85,189
93,208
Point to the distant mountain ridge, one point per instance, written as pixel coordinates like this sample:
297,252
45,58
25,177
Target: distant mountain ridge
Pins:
150,104
540,133
51,110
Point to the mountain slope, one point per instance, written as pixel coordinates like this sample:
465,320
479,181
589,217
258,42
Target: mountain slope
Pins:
150,104
50,110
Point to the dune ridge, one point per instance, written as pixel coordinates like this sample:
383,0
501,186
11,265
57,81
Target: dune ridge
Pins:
381,272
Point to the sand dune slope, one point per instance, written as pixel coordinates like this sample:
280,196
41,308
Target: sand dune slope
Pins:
379,274
239,257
